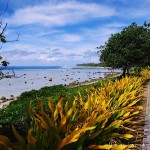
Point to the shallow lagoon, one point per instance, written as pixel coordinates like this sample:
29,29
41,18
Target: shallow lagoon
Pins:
37,78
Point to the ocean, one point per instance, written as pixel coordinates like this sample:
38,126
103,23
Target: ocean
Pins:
51,67
35,77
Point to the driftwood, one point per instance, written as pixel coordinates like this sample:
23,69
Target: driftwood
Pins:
8,75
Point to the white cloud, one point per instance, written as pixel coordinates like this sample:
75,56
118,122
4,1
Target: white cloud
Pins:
70,38
63,32
99,35
60,48
116,25
46,58
59,14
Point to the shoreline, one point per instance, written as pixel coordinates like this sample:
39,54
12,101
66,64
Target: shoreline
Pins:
27,80
4,102
139,128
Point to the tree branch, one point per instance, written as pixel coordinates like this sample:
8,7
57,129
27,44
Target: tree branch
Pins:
5,8
17,39
3,31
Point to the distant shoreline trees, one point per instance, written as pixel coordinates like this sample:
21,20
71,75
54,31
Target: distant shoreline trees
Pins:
127,49
91,65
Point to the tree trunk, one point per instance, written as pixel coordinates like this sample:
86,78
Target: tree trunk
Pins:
124,72
128,72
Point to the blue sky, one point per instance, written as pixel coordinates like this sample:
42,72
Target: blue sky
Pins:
65,32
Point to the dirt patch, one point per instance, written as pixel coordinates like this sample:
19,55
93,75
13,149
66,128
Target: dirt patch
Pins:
140,118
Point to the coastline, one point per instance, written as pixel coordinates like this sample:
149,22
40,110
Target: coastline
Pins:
4,102
27,80
139,127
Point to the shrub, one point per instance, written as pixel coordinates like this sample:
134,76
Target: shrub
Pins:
87,122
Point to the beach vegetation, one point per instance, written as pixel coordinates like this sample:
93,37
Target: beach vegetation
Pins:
18,110
89,120
91,65
128,48
145,73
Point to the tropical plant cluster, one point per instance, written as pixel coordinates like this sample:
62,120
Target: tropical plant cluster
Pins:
106,114
145,73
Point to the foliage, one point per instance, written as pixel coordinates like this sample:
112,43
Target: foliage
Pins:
129,48
137,71
89,122
91,65
145,73
17,111
5,143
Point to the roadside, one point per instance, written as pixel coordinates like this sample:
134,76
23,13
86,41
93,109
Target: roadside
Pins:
146,139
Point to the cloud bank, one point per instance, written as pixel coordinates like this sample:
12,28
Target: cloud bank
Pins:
56,32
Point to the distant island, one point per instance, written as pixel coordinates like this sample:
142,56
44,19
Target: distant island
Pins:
91,64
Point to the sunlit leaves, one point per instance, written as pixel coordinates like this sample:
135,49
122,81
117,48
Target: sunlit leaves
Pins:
82,122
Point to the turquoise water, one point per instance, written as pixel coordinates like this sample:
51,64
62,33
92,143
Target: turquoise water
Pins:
32,67
50,67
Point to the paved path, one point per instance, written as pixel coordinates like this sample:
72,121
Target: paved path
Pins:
146,139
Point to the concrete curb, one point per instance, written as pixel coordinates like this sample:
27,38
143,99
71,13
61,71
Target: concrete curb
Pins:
146,139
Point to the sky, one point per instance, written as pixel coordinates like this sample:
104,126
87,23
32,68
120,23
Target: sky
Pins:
64,32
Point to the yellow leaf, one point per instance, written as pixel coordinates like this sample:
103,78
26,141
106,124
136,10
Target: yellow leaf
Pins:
56,114
48,121
18,137
126,114
40,105
134,102
140,107
51,107
31,139
5,143
59,106
73,137
122,147
80,99
129,129
126,136
63,122
114,124
102,117
38,117
102,147
66,106
134,113
69,113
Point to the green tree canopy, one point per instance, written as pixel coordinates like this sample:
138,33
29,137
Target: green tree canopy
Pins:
129,48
